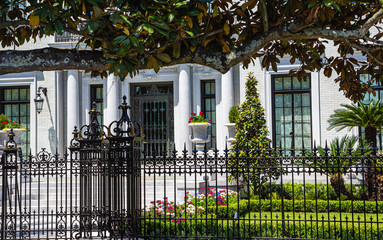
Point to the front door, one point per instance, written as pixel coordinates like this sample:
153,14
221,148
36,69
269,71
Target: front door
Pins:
152,107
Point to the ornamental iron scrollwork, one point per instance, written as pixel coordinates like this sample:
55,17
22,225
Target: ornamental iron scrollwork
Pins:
125,127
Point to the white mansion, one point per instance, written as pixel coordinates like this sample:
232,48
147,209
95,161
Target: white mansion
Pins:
162,102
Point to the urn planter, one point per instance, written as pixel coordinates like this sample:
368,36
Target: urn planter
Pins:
4,136
231,130
199,134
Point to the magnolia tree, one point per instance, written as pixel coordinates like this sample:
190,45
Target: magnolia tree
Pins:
124,36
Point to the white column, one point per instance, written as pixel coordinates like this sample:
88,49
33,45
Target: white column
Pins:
182,108
112,100
34,124
60,113
315,109
73,104
227,101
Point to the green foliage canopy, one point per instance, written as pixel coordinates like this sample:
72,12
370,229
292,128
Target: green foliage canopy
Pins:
125,36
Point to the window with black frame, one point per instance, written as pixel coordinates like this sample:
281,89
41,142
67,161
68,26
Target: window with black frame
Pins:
291,112
15,103
208,108
377,86
97,96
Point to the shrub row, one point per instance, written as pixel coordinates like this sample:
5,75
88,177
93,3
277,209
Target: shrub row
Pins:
246,206
306,191
249,229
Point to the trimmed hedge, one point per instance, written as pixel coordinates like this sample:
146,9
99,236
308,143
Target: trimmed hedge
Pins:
159,229
246,206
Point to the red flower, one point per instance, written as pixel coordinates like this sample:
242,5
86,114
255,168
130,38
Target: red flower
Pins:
200,113
15,121
210,120
189,121
4,122
17,125
10,120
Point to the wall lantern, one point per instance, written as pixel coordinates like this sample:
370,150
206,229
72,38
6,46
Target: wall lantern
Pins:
39,100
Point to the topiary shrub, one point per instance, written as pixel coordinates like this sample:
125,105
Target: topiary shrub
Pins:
252,163
233,114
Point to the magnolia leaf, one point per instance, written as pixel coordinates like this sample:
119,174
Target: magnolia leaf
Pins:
176,49
155,65
193,48
150,62
190,21
126,20
126,31
164,57
34,21
215,11
225,47
226,28
97,11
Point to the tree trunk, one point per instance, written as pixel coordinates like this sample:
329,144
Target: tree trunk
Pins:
370,133
373,178
337,182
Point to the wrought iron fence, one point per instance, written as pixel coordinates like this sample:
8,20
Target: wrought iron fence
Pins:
174,195
106,188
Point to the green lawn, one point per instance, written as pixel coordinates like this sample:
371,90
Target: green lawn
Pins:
308,216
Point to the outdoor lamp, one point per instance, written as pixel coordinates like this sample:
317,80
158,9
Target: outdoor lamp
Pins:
39,100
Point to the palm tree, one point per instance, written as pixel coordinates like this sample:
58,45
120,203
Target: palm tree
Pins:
369,116
338,159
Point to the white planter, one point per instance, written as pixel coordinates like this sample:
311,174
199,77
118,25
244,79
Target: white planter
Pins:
200,136
4,136
231,130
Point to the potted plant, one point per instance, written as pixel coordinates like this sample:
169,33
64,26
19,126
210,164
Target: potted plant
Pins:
5,128
233,116
199,125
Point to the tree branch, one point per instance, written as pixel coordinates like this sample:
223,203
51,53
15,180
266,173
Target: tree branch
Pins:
265,17
8,24
50,59
371,22
365,50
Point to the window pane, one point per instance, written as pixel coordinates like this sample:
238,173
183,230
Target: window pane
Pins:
278,114
23,94
305,84
288,114
306,114
286,83
298,115
297,100
7,94
278,83
207,89
278,100
15,94
306,101
212,88
296,83
287,100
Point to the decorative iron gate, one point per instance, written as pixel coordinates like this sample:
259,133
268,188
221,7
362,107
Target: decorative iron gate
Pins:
92,192
153,108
